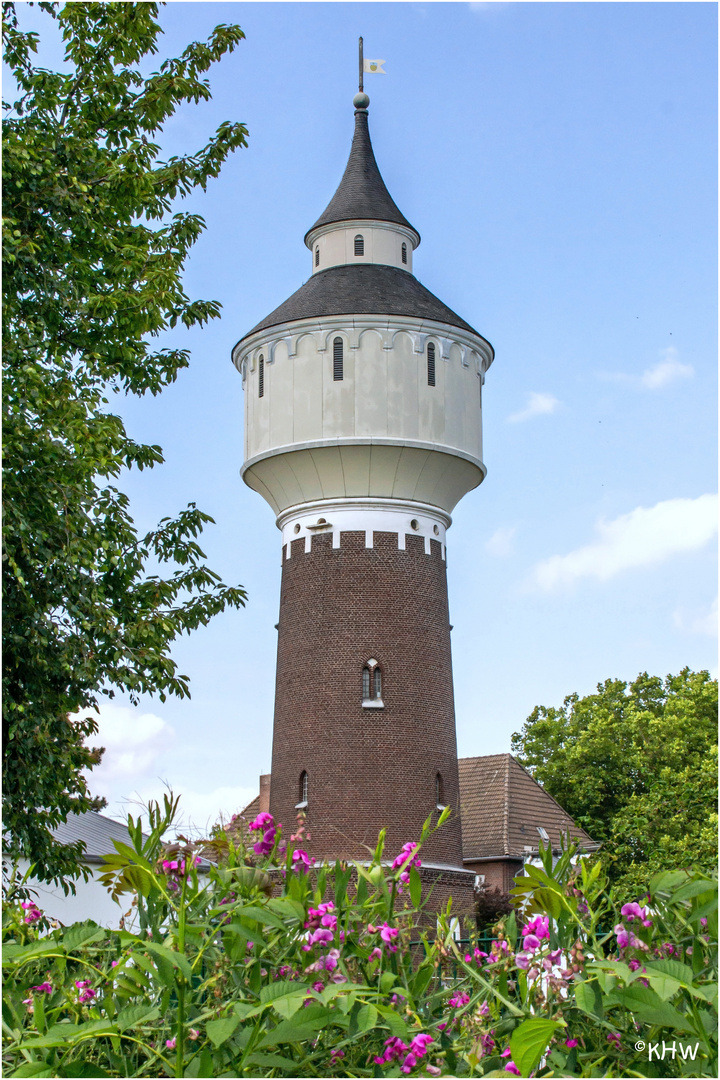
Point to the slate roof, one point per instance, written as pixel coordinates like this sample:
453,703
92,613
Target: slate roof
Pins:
96,831
362,289
501,807
361,193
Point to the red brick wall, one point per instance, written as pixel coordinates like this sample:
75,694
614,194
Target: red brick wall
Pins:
367,768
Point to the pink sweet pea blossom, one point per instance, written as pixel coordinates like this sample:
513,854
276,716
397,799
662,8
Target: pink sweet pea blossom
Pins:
193,1034
614,1039
570,1043
512,1068
261,821
523,960
433,1070
301,860
539,928
376,954
458,1000
33,912
170,1043
43,988
407,858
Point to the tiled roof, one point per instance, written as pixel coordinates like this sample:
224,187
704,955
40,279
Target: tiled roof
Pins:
362,289
96,831
502,807
361,193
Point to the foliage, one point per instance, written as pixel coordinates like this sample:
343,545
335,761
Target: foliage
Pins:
92,274
267,966
490,906
636,766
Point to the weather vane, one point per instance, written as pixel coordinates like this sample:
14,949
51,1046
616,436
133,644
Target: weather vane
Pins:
375,67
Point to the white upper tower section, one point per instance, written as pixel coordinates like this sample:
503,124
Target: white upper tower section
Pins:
363,390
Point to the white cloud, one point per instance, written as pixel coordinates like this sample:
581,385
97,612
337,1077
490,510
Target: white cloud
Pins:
134,770
644,537
667,370
133,742
537,405
699,623
500,543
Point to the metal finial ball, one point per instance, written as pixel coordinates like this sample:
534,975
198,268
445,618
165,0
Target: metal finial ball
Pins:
361,101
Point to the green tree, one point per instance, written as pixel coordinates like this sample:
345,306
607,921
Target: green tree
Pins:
92,274
636,766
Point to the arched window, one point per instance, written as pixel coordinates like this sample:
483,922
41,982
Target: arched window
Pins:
261,376
338,359
359,245
303,791
317,256
439,792
431,364
372,684
404,254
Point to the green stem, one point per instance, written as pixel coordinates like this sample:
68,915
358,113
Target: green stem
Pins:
180,982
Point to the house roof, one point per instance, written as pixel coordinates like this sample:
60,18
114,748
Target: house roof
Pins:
96,831
361,194
362,289
502,807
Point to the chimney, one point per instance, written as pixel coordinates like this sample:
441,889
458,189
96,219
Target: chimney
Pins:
265,793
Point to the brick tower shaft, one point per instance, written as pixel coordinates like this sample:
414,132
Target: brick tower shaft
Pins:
361,762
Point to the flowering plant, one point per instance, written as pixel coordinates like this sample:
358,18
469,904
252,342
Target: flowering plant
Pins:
264,965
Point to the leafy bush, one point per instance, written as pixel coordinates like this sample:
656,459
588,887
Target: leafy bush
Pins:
269,966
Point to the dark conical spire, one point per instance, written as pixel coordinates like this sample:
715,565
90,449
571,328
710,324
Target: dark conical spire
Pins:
361,194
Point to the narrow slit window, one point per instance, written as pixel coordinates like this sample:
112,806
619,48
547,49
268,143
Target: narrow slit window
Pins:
302,791
404,254
317,256
439,792
377,684
366,684
261,376
338,359
431,364
359,245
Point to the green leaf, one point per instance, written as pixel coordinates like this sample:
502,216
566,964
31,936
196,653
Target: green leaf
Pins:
300,1027
272,1061
394,1022
282,989
219,1031
649,1008
178,960
529,1041
136,1015
550,901
366,1018
694,888
261,915
415,887
588,998
82,934
34,1068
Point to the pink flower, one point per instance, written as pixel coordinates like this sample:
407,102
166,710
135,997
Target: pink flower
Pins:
388,933
506,1052
301,860
433,1070
334,1054
321,936
265,846
321,916
170,1043
633,965
318,986
458,1000
114,963
261,821
614,1038
43,988
703,921
532,942
420,1043
193,1034
376,954
484,1009
570,1043
539,927
407,858
30,1005
626,939
338,977
512,1068
33,911
487,1042
523,959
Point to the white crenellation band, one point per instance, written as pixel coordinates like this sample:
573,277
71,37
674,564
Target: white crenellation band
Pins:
362,515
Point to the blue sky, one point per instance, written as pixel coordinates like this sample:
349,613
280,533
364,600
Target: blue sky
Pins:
559,161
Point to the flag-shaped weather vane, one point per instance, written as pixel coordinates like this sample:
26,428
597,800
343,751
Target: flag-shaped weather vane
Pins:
374,67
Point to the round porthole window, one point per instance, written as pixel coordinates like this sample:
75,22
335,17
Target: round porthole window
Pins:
415,524
436,530
297,528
